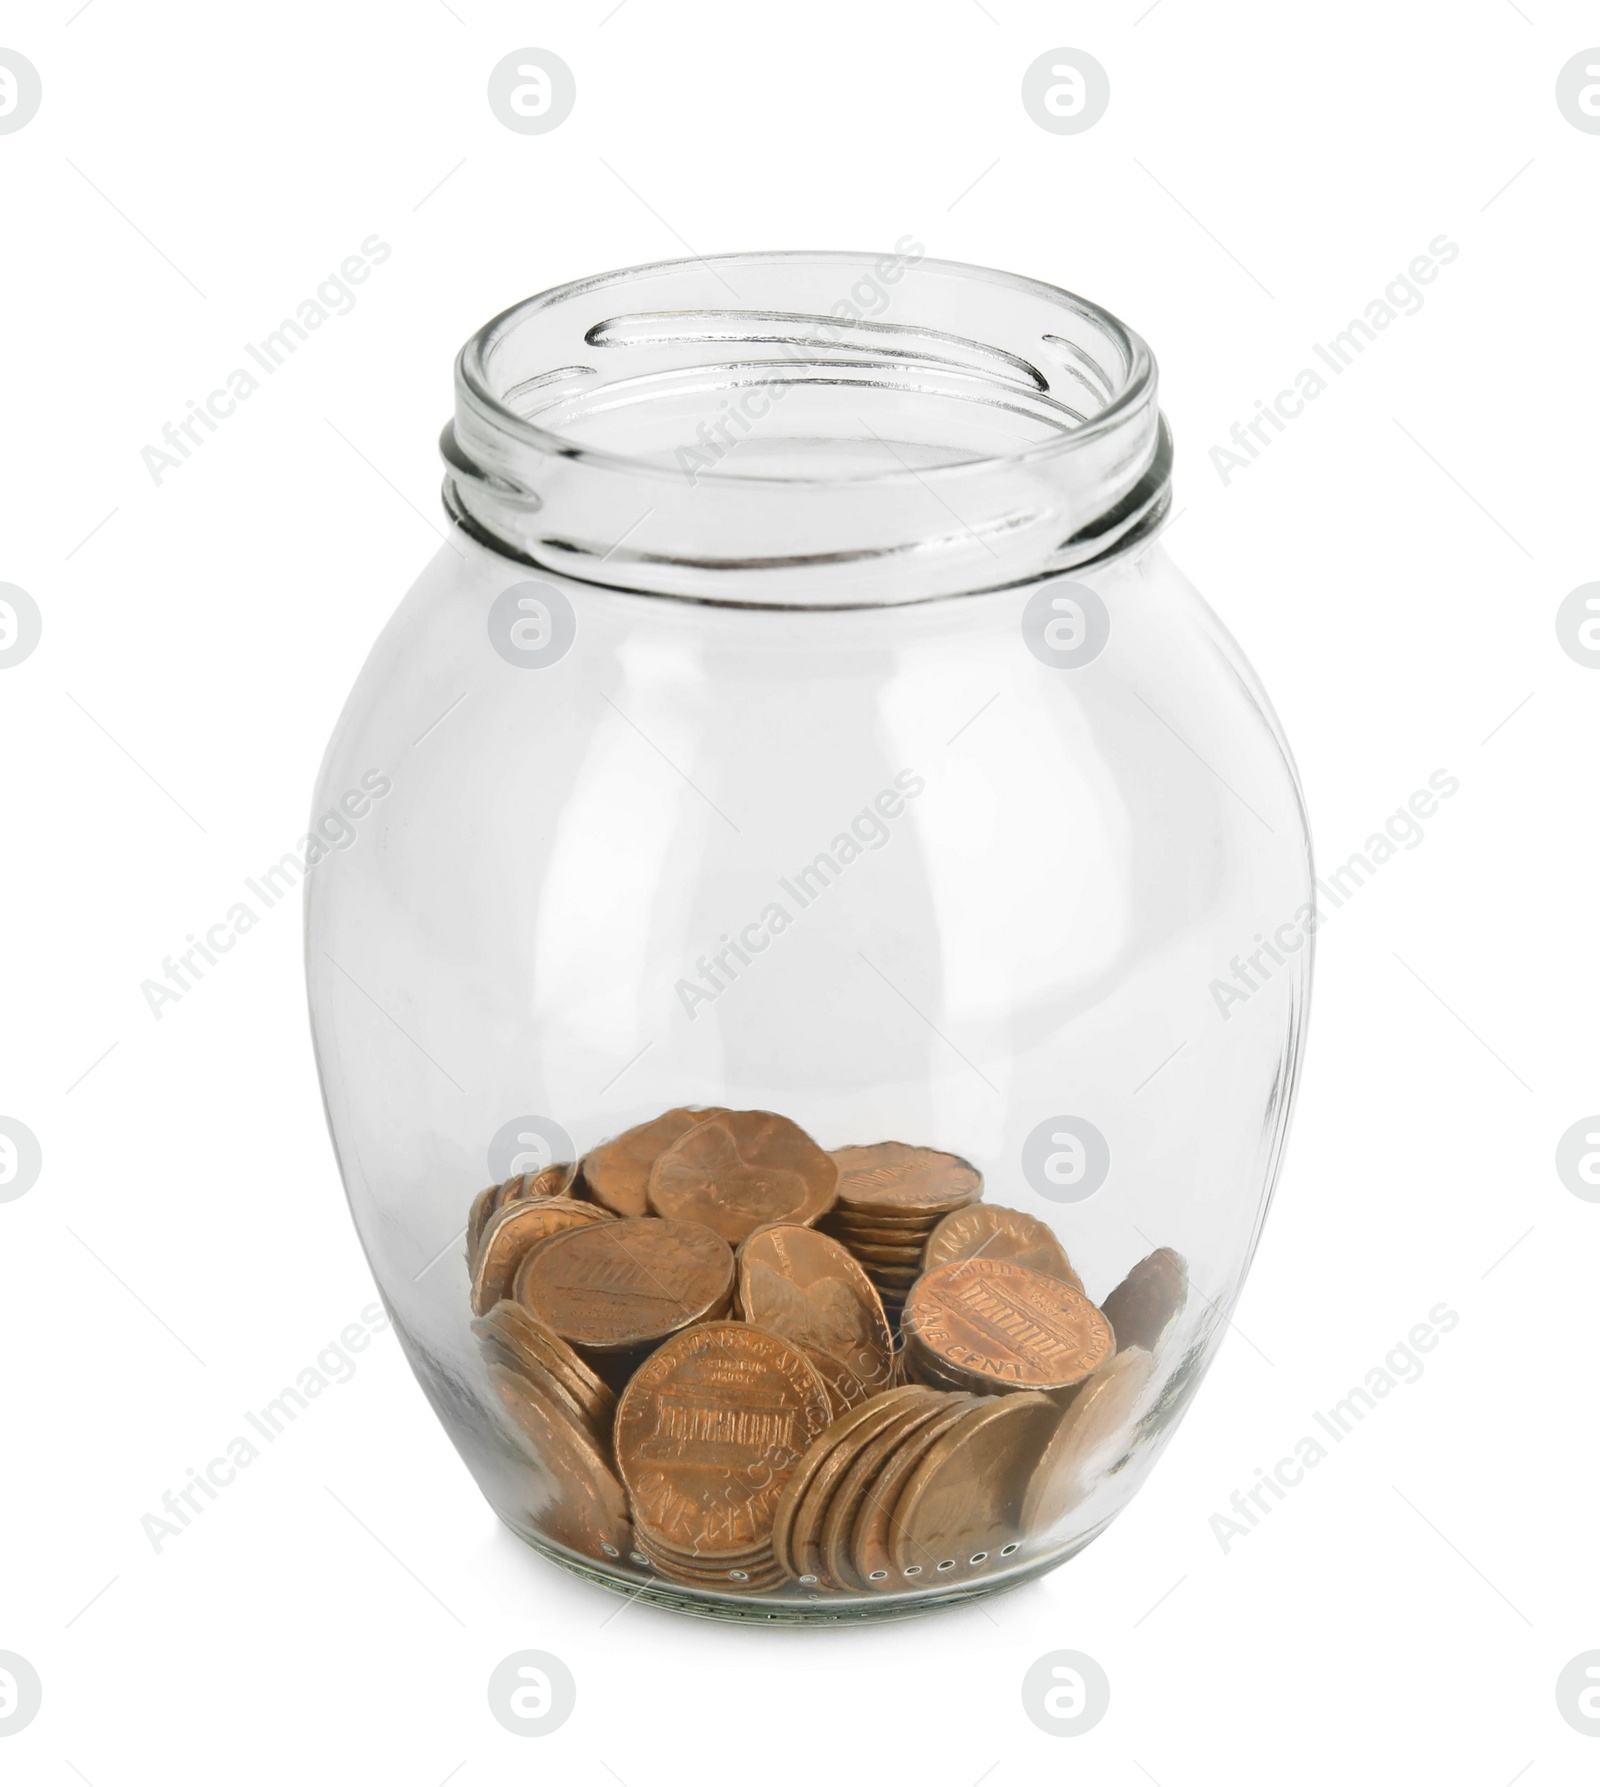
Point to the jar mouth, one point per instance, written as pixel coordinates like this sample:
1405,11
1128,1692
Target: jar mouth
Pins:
807,429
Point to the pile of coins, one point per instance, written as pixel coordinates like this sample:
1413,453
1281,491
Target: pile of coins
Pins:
743,1364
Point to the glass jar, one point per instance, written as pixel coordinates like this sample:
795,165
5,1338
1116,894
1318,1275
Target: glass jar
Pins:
804,847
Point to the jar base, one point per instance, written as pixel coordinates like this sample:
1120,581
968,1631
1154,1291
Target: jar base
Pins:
793,1606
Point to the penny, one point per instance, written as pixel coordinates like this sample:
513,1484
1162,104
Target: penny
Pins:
822,1452
1141,1307
553,1182
857,1484
627,1281
995,1233
892,1177
583,1506
532,1344
510,1233
1088,1439
960,1507
910,1257
709,1431
617,1172
1007,1327
808,1288
902,1277
739,1170
496,1351
881,1225
844,1388
921,1367
869,1565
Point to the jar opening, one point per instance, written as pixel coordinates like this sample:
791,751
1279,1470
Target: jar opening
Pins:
807,429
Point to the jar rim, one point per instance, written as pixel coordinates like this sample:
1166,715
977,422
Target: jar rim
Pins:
474,383
605,429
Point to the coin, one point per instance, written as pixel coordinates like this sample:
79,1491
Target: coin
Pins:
905,1257
808,1288
890,1177
1141,1307
710,1430
996,1233
496,1351
628,1281
844,1388
825,1454
739,1170
616,1173
553,1182
511,1232
1003,1326
881,1225
1088,1438
868,1563
533,1347
961,1507
582,1505
922,1367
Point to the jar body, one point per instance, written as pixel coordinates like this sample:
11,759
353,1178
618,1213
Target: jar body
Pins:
909,873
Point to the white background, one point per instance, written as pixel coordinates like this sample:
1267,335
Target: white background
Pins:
1392,566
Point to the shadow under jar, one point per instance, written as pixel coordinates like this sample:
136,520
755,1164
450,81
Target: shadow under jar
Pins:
810,992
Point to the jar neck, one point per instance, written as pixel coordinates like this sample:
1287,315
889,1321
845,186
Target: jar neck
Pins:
807,430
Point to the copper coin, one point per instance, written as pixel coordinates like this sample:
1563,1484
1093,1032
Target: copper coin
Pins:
869,1565
709,1431
857,1484
553,1182
1140,1308
961,1508
740,1170
509,1234
531,1343
617,1172
900,1277
921,1367
478,1216
1088,1439
844,1388
822,1452
1007,1326
496,1352
579,1503
805,1532
881,1226
627,1282
892,1178
995,1233
808,1288
870,1253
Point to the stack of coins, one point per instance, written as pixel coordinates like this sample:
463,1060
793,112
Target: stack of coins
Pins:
914,1488
888,1387
890,1199
511,1337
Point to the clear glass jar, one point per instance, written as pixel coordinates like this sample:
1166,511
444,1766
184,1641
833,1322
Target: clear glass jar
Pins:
803,738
